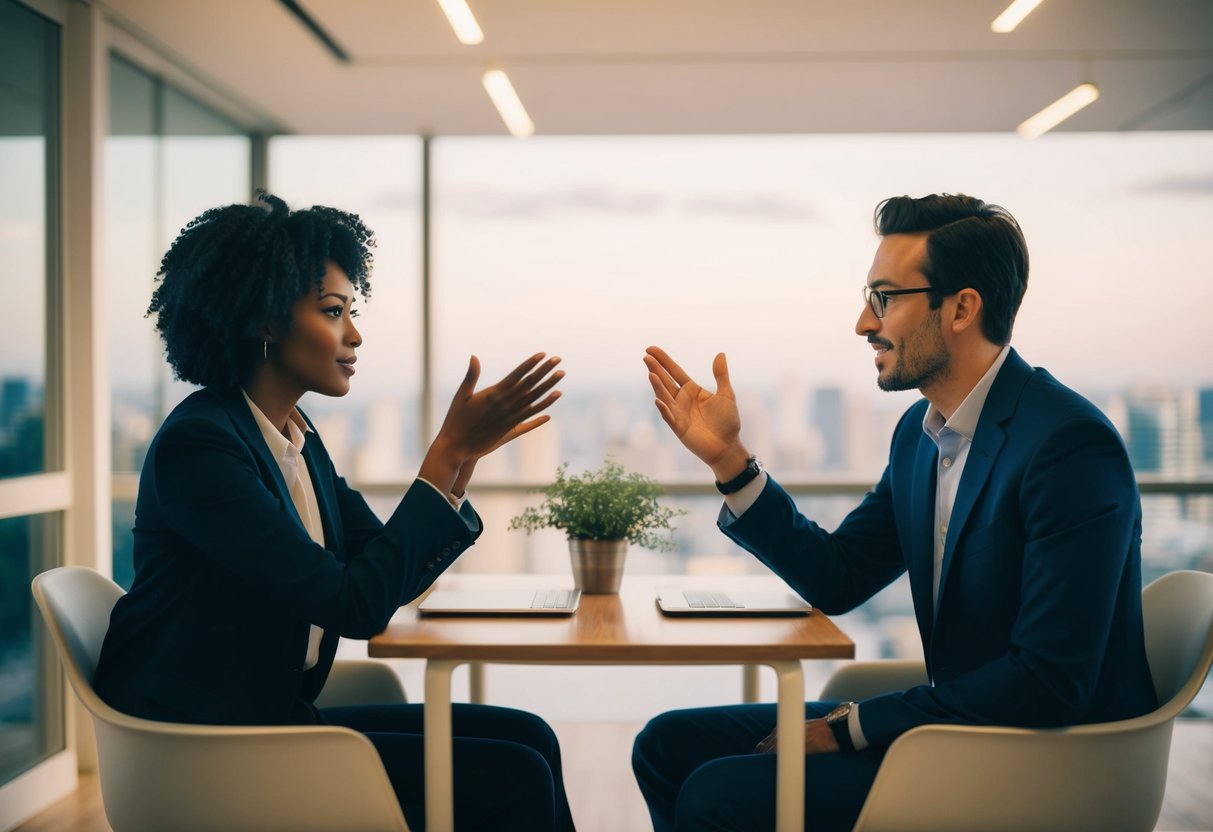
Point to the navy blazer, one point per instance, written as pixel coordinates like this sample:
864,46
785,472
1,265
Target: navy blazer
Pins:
1039,617
228,581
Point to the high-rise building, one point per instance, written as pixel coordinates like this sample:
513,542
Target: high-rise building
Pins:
1164,432
16,394
1205,420
830,418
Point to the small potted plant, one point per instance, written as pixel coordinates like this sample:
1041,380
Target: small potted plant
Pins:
601,512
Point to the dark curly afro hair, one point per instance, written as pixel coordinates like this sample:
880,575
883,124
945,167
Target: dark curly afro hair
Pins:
238,268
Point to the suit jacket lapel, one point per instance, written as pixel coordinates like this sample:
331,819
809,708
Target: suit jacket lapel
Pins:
987,442
233,402
322,485
922,536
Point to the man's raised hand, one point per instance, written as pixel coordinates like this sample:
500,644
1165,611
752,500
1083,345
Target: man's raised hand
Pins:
708,424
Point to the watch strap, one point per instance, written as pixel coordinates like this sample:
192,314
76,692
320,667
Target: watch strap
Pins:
842,733
752,469
839,721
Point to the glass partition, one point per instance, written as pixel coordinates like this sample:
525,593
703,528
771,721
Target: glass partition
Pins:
29,125
167,159
31,690
31,702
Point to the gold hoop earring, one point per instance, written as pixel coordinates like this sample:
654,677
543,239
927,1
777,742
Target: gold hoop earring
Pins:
265,350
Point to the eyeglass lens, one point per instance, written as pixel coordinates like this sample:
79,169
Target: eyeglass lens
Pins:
875,301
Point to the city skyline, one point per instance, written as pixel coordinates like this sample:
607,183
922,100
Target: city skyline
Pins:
811,431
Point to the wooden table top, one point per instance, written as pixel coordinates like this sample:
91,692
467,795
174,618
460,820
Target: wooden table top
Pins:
611,629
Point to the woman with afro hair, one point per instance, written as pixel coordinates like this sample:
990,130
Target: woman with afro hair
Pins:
252,556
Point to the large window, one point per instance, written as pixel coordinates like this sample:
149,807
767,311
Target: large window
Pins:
757,246
29,78
31,713
31,702
167,159
594,248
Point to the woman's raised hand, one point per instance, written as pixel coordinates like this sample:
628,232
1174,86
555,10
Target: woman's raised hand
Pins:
479,422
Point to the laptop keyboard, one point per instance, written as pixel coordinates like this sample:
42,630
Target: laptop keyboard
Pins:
552,599
710,601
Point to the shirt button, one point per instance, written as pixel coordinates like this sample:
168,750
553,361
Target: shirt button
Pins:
947,462
943,529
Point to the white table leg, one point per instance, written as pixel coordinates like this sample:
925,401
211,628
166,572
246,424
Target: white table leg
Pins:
789,763
439,770
749,683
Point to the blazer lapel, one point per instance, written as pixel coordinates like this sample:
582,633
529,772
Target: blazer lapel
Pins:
987,443
326,499
921,552
237,408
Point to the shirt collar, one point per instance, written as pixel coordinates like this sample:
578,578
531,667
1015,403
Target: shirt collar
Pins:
964,420
282,448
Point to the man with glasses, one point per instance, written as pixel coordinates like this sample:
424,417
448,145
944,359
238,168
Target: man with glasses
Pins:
1008,498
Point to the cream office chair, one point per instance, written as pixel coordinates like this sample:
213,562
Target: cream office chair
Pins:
158,776
1103,778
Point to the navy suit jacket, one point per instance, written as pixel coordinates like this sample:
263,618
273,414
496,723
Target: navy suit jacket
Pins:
228,582
1039,617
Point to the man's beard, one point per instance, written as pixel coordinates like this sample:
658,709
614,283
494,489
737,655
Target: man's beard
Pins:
921,358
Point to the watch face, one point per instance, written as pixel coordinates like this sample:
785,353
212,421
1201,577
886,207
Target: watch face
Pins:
840,712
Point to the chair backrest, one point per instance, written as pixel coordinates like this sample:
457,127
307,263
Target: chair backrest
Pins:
160,775
1178,613
76,603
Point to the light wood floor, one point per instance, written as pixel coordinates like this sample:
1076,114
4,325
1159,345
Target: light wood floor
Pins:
604,797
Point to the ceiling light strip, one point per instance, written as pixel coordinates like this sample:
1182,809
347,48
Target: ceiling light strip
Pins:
462,21
1013,15
501,91
1058,111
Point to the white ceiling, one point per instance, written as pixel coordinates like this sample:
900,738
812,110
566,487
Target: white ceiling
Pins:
601,67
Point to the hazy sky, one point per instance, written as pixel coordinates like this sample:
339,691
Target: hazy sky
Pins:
595,247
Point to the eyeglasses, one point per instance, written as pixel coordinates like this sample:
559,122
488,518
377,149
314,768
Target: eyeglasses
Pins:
878,299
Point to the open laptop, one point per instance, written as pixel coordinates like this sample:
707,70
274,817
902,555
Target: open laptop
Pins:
710,602
501,602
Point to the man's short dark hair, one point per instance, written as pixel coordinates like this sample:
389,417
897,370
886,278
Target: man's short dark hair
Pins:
970,245
238,268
